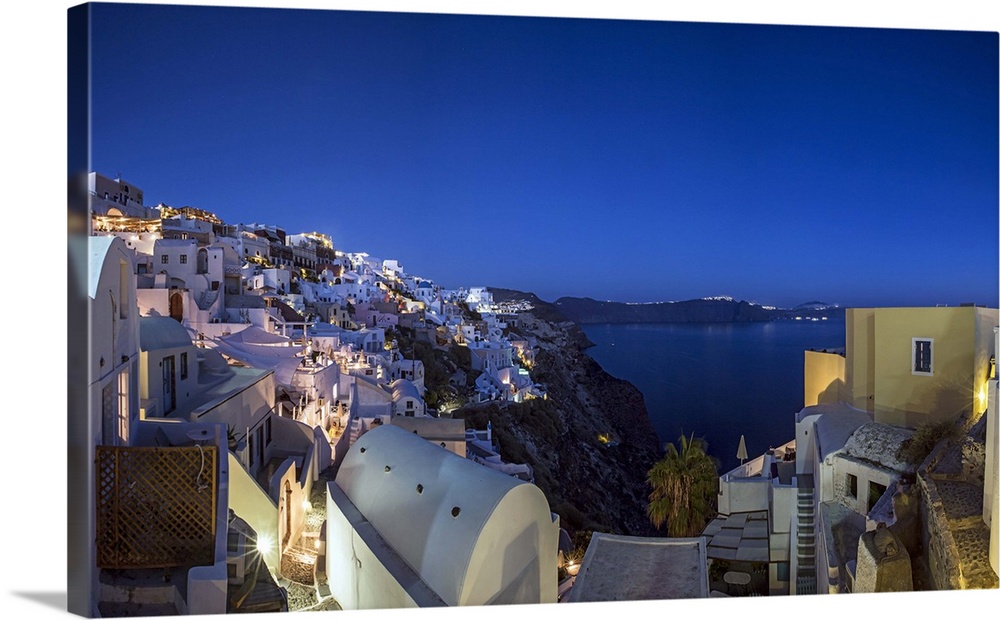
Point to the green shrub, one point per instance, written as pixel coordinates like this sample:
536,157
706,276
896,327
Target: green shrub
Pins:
570,515
928,435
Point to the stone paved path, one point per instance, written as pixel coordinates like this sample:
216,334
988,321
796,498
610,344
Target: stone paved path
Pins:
298,563
960,487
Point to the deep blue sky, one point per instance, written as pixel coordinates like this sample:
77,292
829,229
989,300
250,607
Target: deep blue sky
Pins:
624,160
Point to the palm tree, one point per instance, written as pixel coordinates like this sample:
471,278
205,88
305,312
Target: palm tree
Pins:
684,484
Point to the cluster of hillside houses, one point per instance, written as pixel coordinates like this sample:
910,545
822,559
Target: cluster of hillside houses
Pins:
230,364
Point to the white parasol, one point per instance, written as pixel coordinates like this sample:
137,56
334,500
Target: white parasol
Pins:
741,452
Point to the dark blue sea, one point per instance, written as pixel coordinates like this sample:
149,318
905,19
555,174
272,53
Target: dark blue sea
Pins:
717,381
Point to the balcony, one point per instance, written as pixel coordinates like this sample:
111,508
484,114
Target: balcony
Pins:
747,488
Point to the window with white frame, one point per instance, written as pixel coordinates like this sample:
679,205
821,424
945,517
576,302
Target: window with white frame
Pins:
922,356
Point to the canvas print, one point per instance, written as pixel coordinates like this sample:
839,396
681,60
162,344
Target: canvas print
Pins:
384,310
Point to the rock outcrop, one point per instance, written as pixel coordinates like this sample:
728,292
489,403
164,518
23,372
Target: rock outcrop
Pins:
590,442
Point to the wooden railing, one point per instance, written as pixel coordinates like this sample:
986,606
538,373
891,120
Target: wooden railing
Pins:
156,506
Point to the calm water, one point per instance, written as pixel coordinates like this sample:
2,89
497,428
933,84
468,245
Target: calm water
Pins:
717,381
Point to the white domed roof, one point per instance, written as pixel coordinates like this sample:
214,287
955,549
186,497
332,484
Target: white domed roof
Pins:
467,530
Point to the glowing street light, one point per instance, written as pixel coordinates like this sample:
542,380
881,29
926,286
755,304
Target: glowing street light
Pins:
264,545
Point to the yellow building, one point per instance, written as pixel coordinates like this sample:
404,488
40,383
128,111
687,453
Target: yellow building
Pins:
902,368
907,366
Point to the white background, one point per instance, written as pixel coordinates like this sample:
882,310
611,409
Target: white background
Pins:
33,36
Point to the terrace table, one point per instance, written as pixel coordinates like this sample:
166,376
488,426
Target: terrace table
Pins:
737,578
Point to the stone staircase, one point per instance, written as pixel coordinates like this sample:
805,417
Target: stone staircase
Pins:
805,547
303,564
298,562
149,592
355,431
206,299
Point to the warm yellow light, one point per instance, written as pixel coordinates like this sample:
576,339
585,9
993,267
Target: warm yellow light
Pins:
264,545
306,505
982,396
316,544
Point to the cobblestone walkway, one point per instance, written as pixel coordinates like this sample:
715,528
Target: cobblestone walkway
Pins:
960,488
298,563
963,504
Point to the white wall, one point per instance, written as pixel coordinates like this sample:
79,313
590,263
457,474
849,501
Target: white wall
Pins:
190,224
805,445
291,495
371,400
151,368
279,279
844,466
114,350
529,543
253,505
243,409
991,496
172,250
784,503
743,495
357,576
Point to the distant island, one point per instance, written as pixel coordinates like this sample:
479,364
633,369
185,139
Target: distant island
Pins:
585,310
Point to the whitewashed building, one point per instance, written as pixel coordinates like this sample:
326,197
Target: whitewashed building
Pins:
412,525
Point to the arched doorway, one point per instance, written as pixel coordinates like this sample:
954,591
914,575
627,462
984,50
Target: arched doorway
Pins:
177,307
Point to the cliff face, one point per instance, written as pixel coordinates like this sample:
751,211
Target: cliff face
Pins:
547,312
590,442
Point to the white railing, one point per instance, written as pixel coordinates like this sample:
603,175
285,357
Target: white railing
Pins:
750,469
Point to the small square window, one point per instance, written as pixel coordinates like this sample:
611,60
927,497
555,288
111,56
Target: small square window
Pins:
852,486
875,492
184,259
164,259
923,356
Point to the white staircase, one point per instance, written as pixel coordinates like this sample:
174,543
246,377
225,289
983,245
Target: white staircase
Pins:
806,543
206,299
138,593
355,431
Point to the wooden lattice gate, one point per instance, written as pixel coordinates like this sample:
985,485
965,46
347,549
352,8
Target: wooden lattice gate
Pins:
155,507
